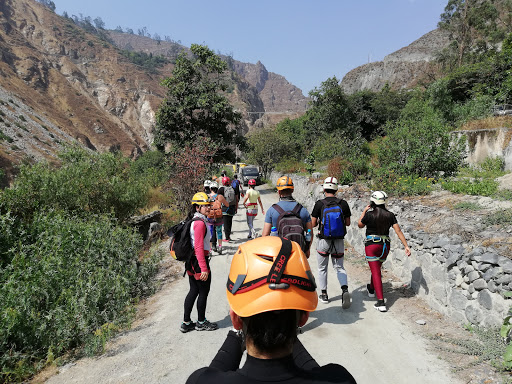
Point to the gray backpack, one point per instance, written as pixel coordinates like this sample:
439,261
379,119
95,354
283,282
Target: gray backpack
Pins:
229,195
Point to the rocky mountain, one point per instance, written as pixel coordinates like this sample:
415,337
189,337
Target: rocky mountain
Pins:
404,68
59,83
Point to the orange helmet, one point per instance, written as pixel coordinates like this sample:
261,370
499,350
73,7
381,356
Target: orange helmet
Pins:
284,182
268,274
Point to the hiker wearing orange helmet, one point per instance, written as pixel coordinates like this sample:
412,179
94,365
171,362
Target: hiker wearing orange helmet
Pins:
289,218
252,207
271,292
198,268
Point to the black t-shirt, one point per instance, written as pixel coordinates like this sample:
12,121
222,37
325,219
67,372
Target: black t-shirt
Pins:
299,368
318,208
371,223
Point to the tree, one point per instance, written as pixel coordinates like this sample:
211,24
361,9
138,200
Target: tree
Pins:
129,31
330,111
420,143
99,23
48,4
195,106
267,147
475,27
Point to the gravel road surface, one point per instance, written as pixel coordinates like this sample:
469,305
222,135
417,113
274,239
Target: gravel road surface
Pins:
375,347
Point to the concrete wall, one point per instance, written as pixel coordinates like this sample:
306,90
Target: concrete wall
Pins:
488,142
462,281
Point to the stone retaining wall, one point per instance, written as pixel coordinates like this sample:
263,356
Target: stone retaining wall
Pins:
463,281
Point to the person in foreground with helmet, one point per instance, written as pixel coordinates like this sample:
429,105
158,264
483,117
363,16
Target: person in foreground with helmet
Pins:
252,207
378,220
198,268
271,291
288,204
332,215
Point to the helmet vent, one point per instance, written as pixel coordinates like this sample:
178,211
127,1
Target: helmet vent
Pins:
265,257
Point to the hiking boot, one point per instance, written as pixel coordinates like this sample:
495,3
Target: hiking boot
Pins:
249,237
370,291
206,326
345,299
214,248
187,327
380,306
324,298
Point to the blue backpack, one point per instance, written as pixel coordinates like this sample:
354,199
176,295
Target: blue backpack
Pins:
332,224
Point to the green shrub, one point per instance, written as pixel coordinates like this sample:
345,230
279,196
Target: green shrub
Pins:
86,183
22,118
5,137
66,278
479,187
467,206
397,185
499,218
290,166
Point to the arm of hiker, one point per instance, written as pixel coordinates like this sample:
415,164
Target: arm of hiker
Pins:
347,221
314,221
360,223
229,355
245,199
266,229
199,232
261,205
223,200
401,236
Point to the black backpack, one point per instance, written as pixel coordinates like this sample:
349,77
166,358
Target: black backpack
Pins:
332,223
290,226
181,246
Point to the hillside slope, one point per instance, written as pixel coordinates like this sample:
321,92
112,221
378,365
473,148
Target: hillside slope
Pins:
404,68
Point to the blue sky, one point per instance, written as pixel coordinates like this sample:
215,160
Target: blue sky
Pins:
305,41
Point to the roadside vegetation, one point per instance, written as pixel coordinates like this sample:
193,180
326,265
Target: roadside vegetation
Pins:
71,267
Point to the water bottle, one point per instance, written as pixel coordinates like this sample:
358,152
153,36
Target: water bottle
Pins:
308,235
273,231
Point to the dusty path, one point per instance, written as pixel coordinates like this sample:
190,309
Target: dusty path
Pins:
375,347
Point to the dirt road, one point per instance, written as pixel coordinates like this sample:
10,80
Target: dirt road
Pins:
375,347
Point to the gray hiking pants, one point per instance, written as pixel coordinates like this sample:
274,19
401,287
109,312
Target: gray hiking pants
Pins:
335,249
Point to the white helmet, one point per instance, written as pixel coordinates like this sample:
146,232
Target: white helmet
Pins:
331,183
207,183
214,184
379,197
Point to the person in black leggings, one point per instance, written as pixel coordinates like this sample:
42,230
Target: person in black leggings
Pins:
271,291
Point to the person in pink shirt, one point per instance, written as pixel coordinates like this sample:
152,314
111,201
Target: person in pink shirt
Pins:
198,268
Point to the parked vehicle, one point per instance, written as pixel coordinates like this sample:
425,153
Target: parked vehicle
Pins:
250,172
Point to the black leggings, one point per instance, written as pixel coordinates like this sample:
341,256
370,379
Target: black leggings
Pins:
228,223
198,290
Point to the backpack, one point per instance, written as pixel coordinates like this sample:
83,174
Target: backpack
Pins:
236,185
332,223
181,245
229,195
290,226
215,210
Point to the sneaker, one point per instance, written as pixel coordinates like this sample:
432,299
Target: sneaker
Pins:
219,250
187,327
371,292
206,326
324,298
380,306
345,299
249,237
214,248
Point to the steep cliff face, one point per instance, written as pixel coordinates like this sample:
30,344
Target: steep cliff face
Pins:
59,84
404,68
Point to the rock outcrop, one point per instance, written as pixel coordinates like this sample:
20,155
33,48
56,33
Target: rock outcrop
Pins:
404,68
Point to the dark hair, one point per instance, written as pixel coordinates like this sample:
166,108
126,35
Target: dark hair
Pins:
192,211
214,189
330,191
273,330
382,217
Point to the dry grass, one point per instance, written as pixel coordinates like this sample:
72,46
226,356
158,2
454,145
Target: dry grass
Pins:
488,123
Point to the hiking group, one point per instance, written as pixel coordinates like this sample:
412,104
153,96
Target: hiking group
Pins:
270,288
